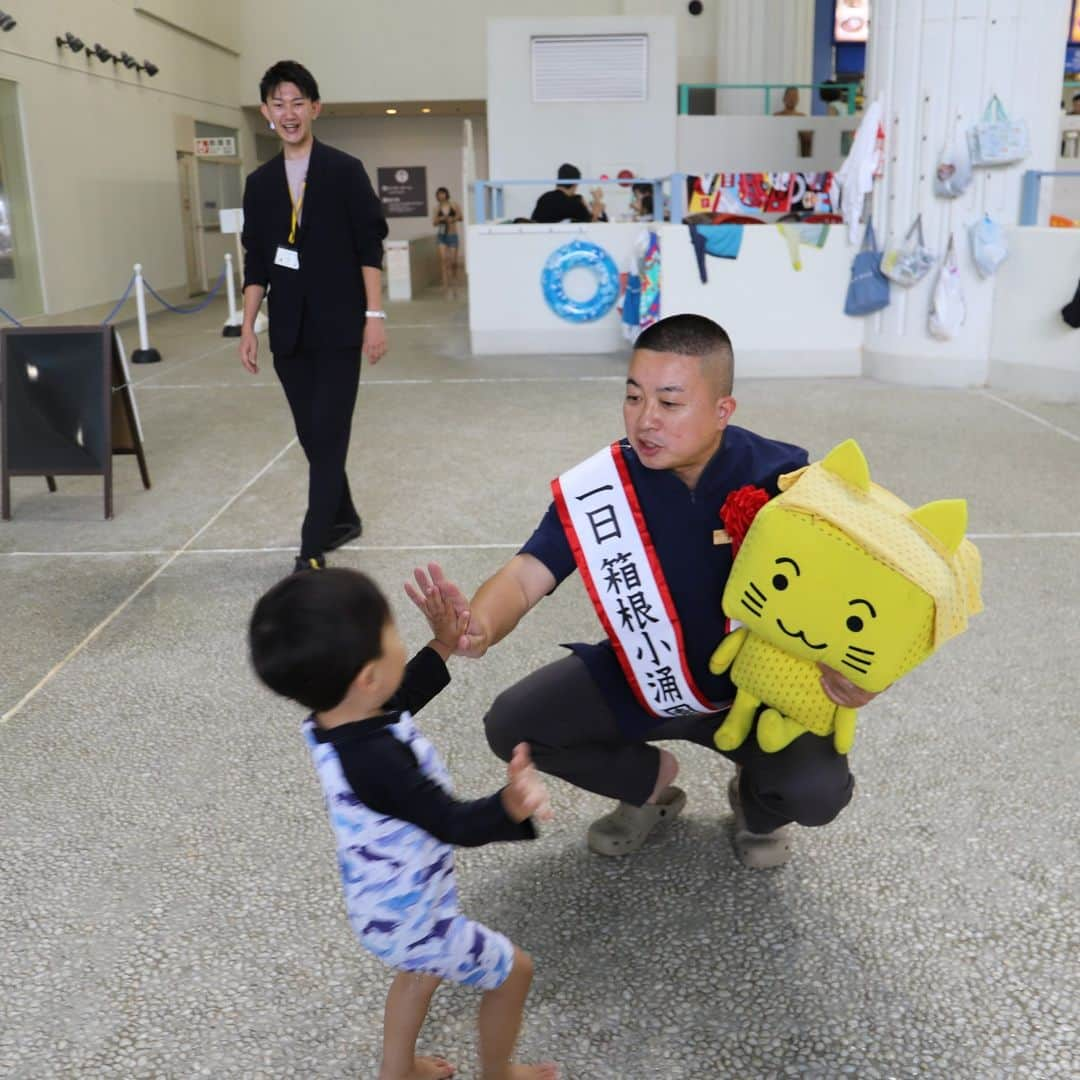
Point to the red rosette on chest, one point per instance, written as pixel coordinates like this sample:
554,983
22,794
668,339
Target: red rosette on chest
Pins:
739,510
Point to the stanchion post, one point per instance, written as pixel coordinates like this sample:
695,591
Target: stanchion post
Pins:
143,354
235,319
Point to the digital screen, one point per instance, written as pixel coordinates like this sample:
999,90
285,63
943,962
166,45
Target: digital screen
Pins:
1074,30
852,21
54,387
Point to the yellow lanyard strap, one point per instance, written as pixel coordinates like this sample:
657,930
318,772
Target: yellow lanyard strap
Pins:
297,206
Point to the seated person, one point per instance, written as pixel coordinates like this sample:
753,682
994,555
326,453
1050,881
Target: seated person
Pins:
642,203
563,203
791,103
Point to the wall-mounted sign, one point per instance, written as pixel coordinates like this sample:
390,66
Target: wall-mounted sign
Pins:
852,21
403,191
218,146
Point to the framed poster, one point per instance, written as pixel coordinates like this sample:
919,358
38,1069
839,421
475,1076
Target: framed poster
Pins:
403,191
1074,29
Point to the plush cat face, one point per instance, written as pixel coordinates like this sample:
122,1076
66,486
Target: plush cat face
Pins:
805,587
837,570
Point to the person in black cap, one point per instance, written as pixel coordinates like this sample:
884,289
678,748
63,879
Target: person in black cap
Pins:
563,203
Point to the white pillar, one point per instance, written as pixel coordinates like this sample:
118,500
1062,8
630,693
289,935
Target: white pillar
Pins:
763,41
930,60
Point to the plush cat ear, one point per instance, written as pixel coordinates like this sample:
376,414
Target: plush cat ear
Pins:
945,520
847,462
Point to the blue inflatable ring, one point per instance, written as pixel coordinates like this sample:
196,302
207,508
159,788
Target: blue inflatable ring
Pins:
580,253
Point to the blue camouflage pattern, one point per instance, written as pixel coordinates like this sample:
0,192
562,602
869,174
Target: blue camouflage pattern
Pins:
400,891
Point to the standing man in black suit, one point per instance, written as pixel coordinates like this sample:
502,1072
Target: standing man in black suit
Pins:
313,233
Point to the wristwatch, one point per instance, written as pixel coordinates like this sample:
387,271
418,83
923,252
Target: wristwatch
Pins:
375,314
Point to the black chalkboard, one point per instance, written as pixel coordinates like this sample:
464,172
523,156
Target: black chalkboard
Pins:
67,406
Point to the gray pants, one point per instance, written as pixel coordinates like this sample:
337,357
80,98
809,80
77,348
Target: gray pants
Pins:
572,733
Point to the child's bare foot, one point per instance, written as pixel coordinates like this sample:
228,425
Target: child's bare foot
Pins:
429,1068
546,1070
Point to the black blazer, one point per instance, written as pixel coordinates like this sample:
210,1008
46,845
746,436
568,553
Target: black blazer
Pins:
341,229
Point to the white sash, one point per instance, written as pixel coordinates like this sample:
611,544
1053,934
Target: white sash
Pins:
602,518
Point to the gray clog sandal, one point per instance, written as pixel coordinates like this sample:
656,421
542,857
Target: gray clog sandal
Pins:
626,828
758,851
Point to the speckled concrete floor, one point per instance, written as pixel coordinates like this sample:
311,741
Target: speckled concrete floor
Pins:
168,898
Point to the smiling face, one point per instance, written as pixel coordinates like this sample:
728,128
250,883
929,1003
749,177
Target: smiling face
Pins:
292,114
807,588
675,411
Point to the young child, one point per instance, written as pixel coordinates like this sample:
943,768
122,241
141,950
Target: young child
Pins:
328,641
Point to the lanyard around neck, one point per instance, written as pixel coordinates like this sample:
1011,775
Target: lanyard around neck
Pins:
297,206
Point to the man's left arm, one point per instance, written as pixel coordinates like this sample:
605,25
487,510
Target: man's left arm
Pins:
369,230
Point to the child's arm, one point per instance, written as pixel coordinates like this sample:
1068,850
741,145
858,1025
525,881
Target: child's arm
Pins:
384,775
426,674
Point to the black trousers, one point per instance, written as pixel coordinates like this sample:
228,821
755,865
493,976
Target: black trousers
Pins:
572,733
321,386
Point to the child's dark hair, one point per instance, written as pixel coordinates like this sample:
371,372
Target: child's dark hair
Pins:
313,631
288,71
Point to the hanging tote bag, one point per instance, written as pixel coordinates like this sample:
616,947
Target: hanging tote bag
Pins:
997,140
953,175
911,261
868,290
947,307
989,245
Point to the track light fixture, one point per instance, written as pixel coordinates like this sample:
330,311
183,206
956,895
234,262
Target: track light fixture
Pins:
100,52
7,22
149,67
71,41
126,59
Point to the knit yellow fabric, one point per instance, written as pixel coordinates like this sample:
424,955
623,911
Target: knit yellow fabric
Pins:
837,571
881,523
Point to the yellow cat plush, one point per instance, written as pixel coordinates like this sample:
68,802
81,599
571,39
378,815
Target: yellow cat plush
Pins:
837,570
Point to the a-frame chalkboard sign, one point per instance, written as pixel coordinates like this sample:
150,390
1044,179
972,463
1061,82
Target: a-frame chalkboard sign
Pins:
67,406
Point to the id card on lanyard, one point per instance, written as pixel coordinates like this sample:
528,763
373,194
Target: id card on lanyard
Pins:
288,256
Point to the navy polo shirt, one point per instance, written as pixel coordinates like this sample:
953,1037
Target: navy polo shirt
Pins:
681,523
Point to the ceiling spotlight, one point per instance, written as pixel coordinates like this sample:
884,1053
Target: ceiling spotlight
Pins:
100,52
149,67
425,109
7,22
126,59
71,41
391,112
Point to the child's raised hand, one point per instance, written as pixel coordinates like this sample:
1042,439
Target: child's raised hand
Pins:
442,603
525,794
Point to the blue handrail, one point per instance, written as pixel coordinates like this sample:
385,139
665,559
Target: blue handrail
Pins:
850,89
1029,192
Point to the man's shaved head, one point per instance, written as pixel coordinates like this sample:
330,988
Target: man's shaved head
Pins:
697,336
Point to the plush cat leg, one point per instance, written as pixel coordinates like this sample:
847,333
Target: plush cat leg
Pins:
775,731
736,726
844,735
724,654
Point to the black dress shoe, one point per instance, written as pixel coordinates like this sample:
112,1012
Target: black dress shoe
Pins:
313,562
342,533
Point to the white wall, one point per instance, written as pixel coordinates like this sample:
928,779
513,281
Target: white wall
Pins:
1032,349
439,51
507,310
931,62
378,50
782,321
763,41
759,143
432,141
101,142
528,139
